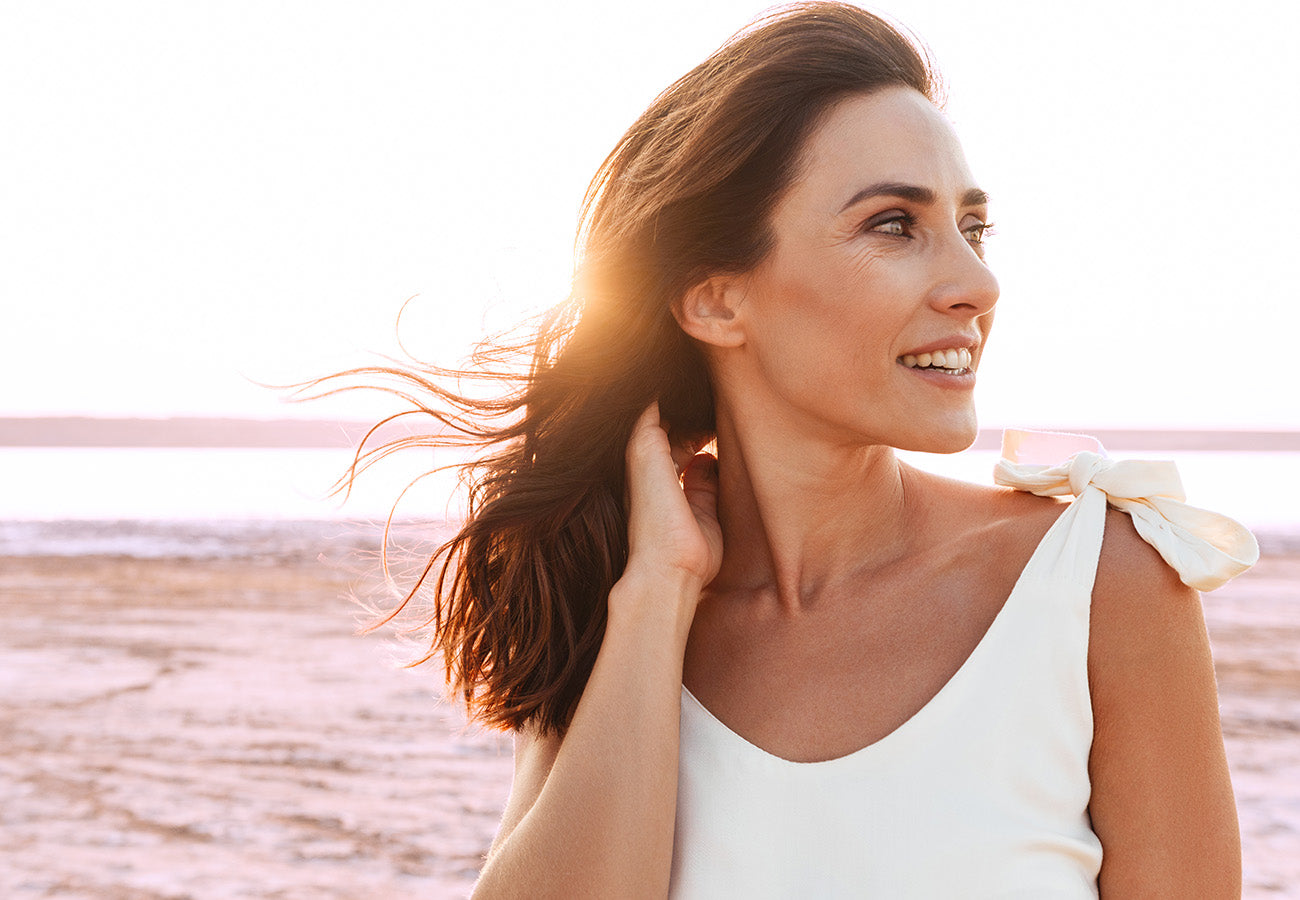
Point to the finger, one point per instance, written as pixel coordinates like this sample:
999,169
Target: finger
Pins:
649,457
649,417
682,456
700,482
646,434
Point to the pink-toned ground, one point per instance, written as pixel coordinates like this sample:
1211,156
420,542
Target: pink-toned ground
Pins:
215,729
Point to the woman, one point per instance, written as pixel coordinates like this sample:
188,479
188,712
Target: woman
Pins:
802,668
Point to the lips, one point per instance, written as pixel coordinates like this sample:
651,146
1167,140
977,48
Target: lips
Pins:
949,356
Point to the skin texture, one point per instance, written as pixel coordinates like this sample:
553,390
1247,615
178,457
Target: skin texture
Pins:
1162,801
591,814
819,325
808,573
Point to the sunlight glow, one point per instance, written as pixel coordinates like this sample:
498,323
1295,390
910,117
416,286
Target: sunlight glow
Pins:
199,195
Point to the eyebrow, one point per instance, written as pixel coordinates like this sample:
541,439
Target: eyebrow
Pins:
915,193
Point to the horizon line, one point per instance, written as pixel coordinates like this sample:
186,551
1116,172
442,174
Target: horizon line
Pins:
231,432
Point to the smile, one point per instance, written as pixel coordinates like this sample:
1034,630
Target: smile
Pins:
953,362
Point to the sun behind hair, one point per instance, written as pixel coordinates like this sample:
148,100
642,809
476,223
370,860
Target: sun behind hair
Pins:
519,596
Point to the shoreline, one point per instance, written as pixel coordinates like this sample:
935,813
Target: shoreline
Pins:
213,432
298,539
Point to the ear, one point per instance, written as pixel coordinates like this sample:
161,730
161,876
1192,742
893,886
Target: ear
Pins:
709,311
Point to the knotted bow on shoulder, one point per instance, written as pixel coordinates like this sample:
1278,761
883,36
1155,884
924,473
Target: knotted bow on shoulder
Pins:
1205,549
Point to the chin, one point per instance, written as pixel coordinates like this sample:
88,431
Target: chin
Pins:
940,437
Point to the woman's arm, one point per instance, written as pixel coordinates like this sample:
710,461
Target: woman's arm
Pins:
592,814
1162,802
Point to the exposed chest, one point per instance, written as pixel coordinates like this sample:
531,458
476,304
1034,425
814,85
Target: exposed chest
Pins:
842,675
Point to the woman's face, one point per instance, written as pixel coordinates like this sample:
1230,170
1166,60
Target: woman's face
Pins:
877,264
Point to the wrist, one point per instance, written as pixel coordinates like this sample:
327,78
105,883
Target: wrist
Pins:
644,597
670,583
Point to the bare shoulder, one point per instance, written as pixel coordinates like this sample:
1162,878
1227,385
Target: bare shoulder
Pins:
1006,522
1162,800
1141,611
1145,625
534,756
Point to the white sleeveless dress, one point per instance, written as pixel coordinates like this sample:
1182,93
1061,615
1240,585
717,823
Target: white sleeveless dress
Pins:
984,792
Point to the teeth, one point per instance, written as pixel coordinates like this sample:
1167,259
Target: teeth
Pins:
956,359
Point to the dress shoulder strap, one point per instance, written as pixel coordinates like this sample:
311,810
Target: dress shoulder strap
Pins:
1205,548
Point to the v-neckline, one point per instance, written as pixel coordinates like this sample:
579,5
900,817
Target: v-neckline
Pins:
932,707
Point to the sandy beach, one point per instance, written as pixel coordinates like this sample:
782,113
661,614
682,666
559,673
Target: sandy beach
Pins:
214,728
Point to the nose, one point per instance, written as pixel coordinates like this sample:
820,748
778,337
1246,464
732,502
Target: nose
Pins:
963,284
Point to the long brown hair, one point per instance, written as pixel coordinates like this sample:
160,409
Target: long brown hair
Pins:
518,605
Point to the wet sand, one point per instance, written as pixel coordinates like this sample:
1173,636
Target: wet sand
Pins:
216,729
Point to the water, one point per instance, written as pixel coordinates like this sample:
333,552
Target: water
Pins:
1261,490
255,540
222,501
47,483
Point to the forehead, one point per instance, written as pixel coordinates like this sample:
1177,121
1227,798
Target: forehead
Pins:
894,134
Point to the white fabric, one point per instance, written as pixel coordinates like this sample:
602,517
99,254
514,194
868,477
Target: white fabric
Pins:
984,792
1204,548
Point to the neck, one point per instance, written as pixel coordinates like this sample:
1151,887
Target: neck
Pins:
801,515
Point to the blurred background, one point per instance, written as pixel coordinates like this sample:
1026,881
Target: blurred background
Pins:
200,197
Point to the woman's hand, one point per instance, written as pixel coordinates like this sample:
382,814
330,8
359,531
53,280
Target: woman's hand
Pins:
597,804
673,529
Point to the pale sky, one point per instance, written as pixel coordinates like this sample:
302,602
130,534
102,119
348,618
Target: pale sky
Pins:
192,193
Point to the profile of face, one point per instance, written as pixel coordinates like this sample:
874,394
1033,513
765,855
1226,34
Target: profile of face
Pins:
866,321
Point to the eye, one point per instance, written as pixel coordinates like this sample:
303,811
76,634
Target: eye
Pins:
977,232
900,224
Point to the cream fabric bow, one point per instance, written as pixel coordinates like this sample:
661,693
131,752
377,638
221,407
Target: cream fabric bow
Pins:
1205,548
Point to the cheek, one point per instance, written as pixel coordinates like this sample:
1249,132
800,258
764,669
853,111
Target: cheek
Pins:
820,293
830,317
801,329
823,350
